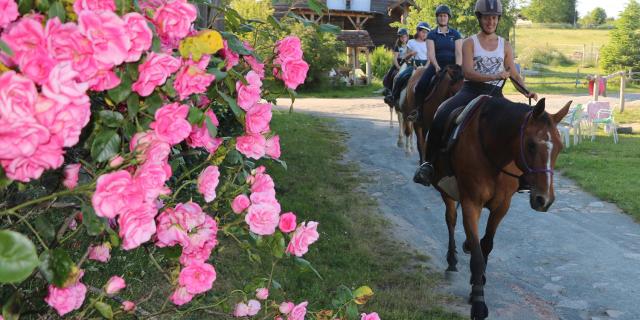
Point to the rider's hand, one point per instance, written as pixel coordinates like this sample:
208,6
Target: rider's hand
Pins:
503,75
532,95
438,69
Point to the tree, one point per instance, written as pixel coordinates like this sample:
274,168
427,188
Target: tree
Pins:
252,9
551,11
623,49
595,17
463,20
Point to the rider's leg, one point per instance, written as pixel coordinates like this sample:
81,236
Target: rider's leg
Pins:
401,82
421,89
424,173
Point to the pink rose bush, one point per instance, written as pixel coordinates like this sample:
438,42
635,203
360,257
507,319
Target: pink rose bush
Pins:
370,316
148,123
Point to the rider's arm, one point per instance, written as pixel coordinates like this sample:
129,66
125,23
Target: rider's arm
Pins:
510,65
467,65
395,59
458,44
431,52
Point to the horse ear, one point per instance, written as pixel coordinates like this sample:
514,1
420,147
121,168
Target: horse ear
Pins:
562,113
538,110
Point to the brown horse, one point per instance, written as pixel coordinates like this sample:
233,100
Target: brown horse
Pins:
446,83
499,142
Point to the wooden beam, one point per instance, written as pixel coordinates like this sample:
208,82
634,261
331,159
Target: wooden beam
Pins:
354,53
368,67
362,23
353,23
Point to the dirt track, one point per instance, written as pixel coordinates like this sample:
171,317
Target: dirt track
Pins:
579,261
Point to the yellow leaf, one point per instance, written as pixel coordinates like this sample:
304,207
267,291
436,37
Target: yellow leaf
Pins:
362,294
205,42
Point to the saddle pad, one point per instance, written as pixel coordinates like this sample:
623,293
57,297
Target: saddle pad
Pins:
471,106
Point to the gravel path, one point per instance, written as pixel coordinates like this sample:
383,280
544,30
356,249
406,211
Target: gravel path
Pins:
581,260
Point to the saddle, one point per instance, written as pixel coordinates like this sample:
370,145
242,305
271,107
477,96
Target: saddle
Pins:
455,124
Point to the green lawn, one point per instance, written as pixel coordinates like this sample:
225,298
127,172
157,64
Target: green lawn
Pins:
371,90
355,247
566,40
607,170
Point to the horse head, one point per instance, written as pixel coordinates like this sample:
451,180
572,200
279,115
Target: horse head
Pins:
539,146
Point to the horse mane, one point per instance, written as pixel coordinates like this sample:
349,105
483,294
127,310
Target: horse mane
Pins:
506,116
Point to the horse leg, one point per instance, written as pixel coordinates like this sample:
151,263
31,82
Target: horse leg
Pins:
419,143
400,129
471,215
451,215
408,144
391,117
495,217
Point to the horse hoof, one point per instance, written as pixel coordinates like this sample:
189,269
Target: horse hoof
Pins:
452,269
465,248
479,311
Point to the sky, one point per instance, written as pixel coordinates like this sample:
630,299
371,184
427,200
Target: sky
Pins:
613,7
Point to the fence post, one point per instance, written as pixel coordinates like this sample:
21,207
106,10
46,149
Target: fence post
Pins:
596,87
584,53
368,67
577,77
622,87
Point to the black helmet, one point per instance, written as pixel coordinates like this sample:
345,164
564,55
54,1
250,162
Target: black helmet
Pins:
488,7
423,26
403,32
443,9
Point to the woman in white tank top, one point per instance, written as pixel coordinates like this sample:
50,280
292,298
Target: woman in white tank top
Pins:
487,61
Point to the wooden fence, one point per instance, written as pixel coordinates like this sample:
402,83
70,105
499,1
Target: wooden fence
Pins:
625,76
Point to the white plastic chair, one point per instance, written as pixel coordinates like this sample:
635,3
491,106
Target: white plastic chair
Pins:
601,112
573,121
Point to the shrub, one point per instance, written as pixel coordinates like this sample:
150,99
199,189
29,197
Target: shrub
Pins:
381,60
546,56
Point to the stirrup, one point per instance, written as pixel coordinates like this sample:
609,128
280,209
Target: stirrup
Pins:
423,174
413,115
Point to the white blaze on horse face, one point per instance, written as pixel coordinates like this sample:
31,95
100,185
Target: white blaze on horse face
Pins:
549,144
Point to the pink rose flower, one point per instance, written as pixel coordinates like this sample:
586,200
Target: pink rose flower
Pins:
93,5
104,79
171,123
37,65
298,312
65,300
231,58
253,307
272,147
175,224
286,307
193,78
181,296
173,21
289,48
65,42
370,316
258,118
114,285
63,87
137,226
305,235
140,35
108,35
249,94
268,198
115,193
46,156
208,182
9,10
154,71
287,222
71,175
293,73
23,37
241,310
116,161
256,66
262,293
240,203
201,243
21,138
200,136
150,177
197,277
262,218
128,306
263,183
100,252
18,97
252,146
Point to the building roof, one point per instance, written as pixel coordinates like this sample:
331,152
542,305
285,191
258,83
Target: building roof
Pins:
356,38
377,6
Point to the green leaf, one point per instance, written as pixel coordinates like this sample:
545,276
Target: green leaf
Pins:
220,75
306,265
153,103
111,119
55,266
195,116
123,6
128,130
4,181
344,294
57,10
234,157
316,6
352,311
213,130
275,284
274,23
133,105
278,245
105,146
5,47
168,88
45,228
232,104
122,91
11,307
25,6
329,28
235,44
104,309
91,221
155,44
18,257
42,5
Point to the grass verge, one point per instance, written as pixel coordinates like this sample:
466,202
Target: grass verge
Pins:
343,91
609,171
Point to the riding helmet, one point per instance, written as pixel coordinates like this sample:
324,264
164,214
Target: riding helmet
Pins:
488,7
403,32
443,9
423,26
